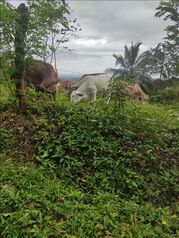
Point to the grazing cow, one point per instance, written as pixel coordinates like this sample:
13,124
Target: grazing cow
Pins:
135,93
88,86
42,77
66,85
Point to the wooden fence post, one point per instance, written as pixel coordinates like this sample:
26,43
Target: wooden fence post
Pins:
19,44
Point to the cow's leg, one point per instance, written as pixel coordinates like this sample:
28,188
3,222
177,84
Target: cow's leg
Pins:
93,95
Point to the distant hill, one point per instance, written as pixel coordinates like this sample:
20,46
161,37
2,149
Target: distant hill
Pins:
64,77
73,76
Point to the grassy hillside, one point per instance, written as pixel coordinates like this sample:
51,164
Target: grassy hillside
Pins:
88,170
36,203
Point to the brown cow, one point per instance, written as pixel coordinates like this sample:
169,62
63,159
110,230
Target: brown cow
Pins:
135,93
67,84
42,77
132,91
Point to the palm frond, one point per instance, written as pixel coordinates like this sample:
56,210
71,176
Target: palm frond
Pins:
143,59
117,72
132,65
135,52
127,55
120,60
147,85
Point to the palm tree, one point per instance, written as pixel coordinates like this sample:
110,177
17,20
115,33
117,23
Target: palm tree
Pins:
132,66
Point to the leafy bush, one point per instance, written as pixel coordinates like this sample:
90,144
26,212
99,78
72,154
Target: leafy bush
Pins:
101,172
6,140
161,84
34,203
167,96
7,95
116,92
110,152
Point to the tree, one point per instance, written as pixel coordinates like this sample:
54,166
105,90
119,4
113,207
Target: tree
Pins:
163,61
132,65
7,26
169,9
19,46
48,21
164,58
49,27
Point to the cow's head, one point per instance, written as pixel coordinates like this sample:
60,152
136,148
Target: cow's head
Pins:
76,96
144,98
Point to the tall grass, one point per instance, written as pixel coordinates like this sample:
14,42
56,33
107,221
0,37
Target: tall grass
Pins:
86,170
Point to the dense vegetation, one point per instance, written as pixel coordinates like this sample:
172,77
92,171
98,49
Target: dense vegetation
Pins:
88,170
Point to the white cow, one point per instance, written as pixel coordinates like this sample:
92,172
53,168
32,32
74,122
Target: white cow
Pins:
88,86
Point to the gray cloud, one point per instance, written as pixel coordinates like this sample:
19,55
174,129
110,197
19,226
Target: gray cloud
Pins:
116,22
106,27
119,20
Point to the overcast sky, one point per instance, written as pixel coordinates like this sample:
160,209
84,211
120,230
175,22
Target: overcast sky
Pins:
106,27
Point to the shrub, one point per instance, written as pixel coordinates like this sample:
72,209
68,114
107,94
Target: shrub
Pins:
109,152
35,203
169,95
117,94
6,140
100,172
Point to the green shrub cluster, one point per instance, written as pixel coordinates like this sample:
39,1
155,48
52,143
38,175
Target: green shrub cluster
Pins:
35,203
6,94
6,139
169,95
97,172
112,152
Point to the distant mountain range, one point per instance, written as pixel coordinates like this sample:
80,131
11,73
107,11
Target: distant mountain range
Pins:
64,77
72,76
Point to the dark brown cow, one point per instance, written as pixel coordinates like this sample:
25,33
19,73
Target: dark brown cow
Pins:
42,77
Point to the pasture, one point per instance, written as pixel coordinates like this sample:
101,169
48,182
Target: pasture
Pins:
87,170
106,165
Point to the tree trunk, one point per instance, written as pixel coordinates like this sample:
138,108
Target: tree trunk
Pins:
19,44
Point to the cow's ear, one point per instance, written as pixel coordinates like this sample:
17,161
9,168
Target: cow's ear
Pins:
79,94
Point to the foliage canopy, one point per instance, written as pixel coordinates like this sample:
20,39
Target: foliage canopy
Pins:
48,21
164,58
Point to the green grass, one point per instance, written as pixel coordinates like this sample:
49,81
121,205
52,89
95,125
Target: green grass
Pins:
7,93
86,170
35,203
167,96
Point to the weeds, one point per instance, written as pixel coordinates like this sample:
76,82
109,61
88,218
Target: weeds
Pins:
95,172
